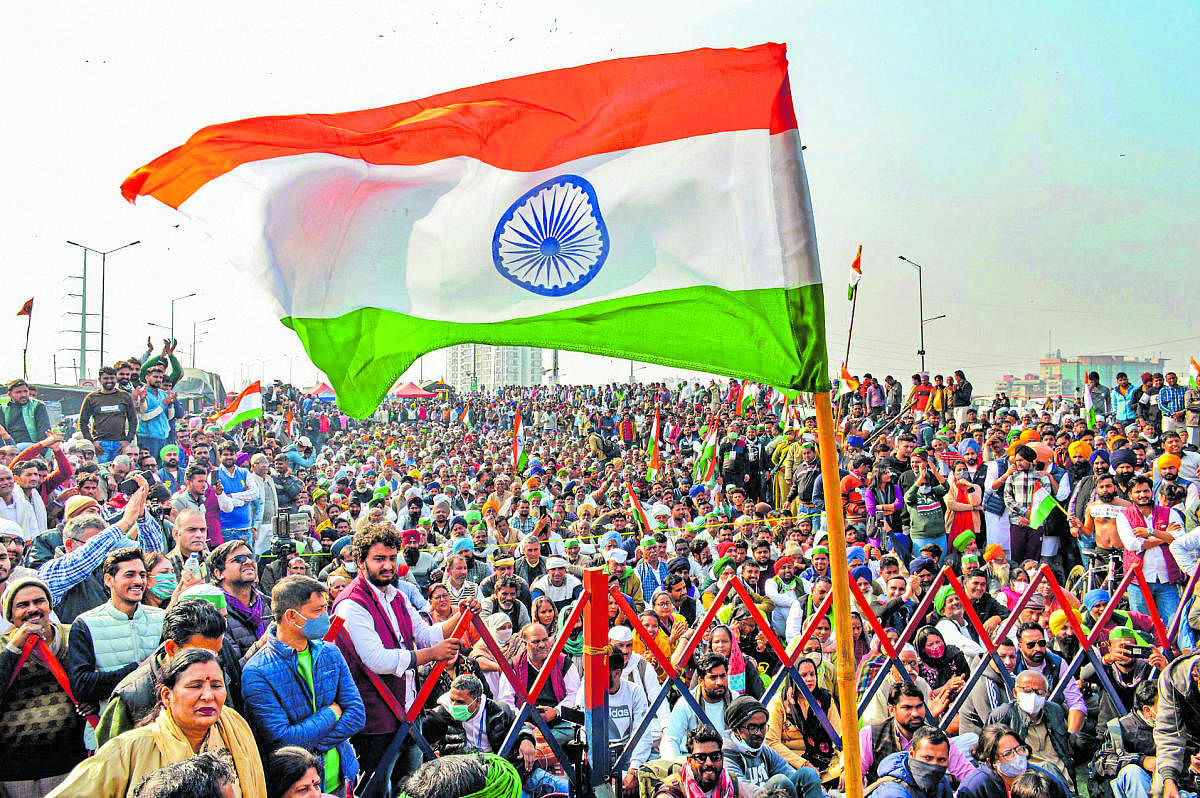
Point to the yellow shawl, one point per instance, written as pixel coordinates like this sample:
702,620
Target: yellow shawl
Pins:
126,760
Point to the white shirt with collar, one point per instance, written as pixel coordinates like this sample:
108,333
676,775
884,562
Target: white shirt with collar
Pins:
370,649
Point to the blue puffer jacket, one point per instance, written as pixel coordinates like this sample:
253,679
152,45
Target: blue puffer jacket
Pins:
279,704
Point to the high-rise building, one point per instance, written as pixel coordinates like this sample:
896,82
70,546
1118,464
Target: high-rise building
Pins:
485,367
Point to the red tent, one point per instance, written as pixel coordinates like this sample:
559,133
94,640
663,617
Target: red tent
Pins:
411,391
321,391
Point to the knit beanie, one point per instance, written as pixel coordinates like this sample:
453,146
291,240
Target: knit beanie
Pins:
10,592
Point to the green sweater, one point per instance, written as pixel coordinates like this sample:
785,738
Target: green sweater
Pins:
926,513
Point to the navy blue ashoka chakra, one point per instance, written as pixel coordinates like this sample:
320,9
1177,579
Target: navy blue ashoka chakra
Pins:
552,240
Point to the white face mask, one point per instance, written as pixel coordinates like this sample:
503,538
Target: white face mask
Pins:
351,567
503,636
1031,703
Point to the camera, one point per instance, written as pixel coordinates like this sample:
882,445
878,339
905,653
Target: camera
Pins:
129,486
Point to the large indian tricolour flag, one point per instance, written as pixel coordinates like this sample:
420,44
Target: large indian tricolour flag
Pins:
653,208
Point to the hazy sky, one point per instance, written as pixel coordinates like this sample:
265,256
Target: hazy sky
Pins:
1040,160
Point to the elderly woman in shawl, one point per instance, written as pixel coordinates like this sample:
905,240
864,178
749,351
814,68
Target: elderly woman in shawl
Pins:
191,718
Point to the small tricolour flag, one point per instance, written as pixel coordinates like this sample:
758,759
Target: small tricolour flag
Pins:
653,456
27,310
1040,507
464,416
745,399
1194,373
855,273
706,463
574,209
635,504
245,406
520,456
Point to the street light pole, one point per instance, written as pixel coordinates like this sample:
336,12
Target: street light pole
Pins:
103,275
196,324
920,307
173,301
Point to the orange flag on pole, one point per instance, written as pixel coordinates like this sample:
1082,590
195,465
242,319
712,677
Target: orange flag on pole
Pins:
26,309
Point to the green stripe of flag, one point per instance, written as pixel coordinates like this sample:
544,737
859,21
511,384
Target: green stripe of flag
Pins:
245,415
775,336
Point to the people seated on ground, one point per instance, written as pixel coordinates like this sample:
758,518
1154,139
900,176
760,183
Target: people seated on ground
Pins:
1126,762
1041,723
919,772
712,696
703,772
795,730
898,733
756,765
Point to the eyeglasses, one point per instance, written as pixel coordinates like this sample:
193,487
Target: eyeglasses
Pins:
238,559
1032,644
1022,750
711,756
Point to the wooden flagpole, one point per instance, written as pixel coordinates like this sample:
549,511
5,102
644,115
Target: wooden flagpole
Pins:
835,523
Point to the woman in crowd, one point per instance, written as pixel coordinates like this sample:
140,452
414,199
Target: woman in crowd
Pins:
191,718
939,662
1003,758
743,671
294,772
160,580
795,731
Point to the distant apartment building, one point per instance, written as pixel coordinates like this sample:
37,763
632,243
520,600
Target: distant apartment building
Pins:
482,367
1062,376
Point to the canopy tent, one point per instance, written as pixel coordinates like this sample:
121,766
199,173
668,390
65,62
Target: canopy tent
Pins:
321,391
410,391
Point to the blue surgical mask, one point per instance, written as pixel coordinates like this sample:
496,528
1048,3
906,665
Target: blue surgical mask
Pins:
315,628
164,585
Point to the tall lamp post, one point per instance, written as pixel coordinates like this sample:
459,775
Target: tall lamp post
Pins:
920,307
103,256
173,301
195,325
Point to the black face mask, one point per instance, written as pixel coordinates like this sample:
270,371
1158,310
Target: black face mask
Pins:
926,775
411,556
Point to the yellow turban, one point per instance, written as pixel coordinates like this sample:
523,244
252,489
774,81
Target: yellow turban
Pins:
1080,449
1030,435
1168,459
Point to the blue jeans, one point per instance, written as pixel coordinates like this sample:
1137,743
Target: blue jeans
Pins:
540,783
244,535
1166,600
1134,782
107,450
803,783
153,444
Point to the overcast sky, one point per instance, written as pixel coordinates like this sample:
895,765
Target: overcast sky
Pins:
1039,160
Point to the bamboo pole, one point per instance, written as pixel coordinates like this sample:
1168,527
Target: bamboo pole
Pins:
835,523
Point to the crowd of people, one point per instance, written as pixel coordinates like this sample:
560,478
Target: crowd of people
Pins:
191,610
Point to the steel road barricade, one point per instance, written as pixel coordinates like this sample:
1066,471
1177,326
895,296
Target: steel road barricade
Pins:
595,677
472,620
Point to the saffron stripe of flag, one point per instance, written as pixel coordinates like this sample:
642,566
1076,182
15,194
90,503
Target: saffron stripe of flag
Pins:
1194,373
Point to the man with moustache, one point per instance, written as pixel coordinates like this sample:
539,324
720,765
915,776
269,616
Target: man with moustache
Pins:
384,635
704,772
41,733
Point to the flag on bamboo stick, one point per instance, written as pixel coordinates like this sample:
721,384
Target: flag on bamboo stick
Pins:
635,504
27,310
848,383
575,209
706,463
1193,372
